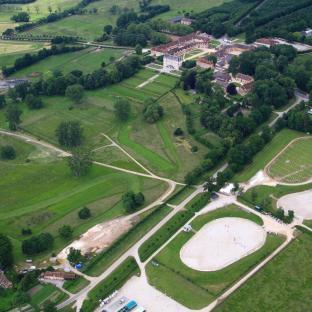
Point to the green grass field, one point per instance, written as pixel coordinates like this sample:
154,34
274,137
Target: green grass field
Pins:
86,60
261,159
40,193
165,155
294,164
282,285
196,289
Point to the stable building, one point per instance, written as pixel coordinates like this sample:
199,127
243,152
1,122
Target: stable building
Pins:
58,275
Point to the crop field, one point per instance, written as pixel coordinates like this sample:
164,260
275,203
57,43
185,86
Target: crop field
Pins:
294,164
11,50
45,195
196,289
261,159
86,60
36,10
89,25
178,7
292,268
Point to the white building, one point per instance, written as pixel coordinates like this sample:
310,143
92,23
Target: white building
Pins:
172,62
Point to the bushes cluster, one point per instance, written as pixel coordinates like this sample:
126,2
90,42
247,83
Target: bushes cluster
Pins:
7,152
132,201
37,244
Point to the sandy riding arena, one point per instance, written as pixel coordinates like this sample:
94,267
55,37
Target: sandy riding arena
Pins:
221,243
300,203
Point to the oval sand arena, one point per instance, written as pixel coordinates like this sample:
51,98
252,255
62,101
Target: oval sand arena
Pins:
222,242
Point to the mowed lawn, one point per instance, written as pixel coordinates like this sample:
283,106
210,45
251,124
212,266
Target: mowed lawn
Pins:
39,192
193,288
261,159
294,164
85,60
284,284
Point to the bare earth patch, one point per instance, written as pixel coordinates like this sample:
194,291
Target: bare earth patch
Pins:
100,236
221,243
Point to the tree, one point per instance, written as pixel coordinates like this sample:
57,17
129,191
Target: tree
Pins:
153,112
75,92
131,201
231,89
108,29
6,252
49,306
69,133
20,298
178,132
80,162
66,231
122,109
7,152
74,256
138,49
2,101
84,213
20,17
33,102
212,58
13,114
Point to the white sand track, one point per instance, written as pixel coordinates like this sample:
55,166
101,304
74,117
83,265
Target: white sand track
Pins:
222,242
300,203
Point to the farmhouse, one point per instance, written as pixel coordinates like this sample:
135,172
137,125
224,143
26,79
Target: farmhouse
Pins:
203,62
246,88
307,32
181,20
4,282
183,45
58,275
267,42
243,79
222,78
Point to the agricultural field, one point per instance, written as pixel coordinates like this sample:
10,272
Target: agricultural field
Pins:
45,195
88,26
293,164
292,269
196,289
86,60
11,50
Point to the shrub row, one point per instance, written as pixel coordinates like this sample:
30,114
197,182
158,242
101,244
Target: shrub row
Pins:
199,202
164,233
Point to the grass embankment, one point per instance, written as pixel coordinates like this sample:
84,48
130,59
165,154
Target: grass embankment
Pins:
171,227
196,289
111,283
261,159
284,284
102,261
76,285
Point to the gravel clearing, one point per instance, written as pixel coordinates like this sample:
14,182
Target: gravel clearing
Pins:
300,203
222,242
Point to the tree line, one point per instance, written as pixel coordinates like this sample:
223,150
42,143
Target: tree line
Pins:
30,59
